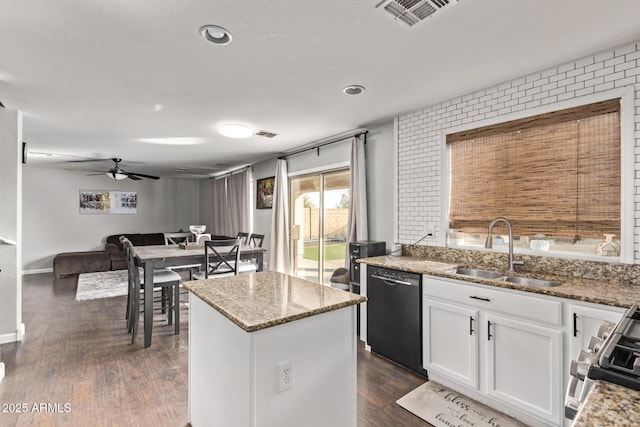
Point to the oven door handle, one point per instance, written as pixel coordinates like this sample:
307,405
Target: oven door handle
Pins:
392,282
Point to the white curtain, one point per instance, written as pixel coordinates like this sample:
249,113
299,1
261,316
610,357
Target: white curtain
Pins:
357,225
279,242
237,199
229,204
218,206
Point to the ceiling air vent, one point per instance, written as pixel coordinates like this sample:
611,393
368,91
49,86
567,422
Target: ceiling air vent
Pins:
413,11
266,134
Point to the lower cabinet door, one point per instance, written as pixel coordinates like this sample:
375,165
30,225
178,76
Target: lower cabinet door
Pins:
524,366
450,342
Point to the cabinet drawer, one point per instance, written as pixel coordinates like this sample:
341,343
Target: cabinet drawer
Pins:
514,303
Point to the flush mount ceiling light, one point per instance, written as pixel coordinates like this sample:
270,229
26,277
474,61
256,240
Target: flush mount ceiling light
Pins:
235,131
215,34
354,89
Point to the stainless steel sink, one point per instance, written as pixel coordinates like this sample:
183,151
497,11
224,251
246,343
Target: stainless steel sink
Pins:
531,282
498,276
476,272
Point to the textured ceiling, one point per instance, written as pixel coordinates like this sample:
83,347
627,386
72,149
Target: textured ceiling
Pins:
88,75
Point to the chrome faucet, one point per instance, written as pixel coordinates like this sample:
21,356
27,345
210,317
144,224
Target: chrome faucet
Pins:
489,243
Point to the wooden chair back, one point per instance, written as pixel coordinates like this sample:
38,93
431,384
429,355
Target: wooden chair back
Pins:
255,240
222,256
175,238
244,236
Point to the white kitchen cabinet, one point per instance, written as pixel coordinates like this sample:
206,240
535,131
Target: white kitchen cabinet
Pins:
450,350
524,365
501,347
583,323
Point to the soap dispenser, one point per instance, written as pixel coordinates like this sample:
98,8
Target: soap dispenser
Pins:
608,247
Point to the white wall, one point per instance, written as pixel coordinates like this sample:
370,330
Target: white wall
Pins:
420,132
262,217
52,222
10,194
380,183
379,155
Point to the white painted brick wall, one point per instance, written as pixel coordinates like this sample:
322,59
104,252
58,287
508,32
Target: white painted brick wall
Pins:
419,132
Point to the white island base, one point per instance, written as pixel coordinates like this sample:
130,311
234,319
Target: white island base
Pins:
233,374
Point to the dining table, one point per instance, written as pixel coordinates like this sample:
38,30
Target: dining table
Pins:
153,257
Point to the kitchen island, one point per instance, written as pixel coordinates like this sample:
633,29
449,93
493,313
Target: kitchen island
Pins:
269,349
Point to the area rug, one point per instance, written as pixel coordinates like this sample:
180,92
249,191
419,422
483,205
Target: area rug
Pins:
443,407
104,284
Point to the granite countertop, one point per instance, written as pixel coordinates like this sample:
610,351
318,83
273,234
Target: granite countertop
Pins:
609,404
260,300
618,293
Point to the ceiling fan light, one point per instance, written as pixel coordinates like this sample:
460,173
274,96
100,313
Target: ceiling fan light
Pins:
235,131
117,176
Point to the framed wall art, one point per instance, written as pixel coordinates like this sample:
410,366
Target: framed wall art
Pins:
108,202
264,193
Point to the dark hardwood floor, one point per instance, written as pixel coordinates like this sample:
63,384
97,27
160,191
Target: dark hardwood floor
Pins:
76,367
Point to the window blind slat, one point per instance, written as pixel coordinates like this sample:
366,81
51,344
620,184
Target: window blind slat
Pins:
557,177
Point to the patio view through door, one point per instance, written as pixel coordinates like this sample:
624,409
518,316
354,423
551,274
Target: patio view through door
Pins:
319,219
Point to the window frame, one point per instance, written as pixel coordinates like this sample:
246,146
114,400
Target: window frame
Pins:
627,171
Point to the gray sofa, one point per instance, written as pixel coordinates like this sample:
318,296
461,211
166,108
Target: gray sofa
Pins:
112,258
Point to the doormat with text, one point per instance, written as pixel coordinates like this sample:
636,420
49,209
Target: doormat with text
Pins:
443,407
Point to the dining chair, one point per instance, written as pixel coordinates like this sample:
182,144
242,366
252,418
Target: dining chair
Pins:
166,280
222,259
255,240
175,239
244,236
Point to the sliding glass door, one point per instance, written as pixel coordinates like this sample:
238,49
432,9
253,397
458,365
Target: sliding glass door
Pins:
319,218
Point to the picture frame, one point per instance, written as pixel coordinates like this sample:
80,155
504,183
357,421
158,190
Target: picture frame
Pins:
264,193
108,202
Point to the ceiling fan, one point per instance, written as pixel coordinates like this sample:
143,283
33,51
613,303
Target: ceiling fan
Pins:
117,173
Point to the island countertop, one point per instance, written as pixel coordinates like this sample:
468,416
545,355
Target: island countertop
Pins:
260,300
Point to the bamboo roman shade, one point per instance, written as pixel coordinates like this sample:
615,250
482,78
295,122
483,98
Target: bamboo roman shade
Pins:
556,173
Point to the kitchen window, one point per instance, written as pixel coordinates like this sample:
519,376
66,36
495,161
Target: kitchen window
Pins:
556,176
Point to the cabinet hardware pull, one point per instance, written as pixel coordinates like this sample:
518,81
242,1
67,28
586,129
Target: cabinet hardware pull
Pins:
488,330
471,325
480,298
575,324
391,281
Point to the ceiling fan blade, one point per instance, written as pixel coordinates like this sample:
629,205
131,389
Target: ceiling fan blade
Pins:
87,160
96,174
132,174
133,177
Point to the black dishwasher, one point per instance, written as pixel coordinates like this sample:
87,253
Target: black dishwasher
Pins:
394,316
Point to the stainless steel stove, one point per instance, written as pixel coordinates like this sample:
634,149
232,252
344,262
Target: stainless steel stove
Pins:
613,355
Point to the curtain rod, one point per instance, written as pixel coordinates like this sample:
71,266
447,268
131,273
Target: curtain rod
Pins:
317,147
231,172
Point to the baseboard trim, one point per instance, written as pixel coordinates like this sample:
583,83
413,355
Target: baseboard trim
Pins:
13,337
38,271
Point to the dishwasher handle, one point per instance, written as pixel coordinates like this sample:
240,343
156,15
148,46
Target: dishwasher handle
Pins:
393,281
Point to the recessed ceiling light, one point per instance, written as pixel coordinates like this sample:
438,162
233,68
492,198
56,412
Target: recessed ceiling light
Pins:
235,131
353,89
215,34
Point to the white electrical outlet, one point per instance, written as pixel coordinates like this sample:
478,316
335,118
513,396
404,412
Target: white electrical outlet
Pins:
285,375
